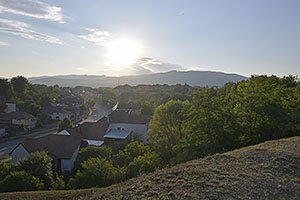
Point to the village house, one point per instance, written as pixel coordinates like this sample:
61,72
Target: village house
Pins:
57,113
18,118
136,123
8,107
62,149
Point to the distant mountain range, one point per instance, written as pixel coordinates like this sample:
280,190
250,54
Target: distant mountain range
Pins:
193,78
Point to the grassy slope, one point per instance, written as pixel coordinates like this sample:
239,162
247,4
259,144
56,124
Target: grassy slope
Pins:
270,170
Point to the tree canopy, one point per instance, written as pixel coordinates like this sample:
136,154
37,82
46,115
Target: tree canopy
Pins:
64,124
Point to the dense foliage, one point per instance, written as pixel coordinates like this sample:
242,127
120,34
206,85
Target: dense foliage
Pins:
92,152
38,165
222,119
64,124
20,181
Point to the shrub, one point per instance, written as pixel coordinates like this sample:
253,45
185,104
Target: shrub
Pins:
39,165
4,169
143,164
20,181
96,172
92,152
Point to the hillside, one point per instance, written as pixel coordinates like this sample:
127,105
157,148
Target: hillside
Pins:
193,78
270,170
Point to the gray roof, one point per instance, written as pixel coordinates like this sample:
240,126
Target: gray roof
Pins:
117,134
120,116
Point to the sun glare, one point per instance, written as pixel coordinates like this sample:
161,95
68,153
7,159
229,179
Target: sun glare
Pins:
124,52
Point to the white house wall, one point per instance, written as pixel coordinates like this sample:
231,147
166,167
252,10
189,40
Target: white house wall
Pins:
61,116
28,123
19,154
67,165
140,129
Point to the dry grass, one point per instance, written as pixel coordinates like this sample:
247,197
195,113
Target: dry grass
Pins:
270,170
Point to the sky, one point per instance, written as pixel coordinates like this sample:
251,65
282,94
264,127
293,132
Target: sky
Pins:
131,37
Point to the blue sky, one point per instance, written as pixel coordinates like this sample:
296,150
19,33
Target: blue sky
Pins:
124,37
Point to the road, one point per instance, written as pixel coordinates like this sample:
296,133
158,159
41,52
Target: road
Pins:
8,146
99,112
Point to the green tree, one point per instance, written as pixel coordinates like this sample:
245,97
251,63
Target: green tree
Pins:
143,164
20,181
92,152
64,124
147,108
46,100
166,128
39,165
96,172
131,151
20,85
6,90
4,169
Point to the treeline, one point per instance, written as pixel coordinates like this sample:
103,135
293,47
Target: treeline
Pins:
28,97
147,97
221,119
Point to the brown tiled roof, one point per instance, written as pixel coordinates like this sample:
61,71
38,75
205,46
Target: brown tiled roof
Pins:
120,116
57,146
93,130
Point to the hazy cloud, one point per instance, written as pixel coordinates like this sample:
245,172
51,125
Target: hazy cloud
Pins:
146,65
96,36
32,8
22,29
3,43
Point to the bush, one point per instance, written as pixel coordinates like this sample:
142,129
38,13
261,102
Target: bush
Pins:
58,183
92,152
96,172
4,169
39,165
131,151
143,164
20,181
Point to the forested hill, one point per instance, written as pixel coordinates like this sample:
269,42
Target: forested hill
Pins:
265,171
193,78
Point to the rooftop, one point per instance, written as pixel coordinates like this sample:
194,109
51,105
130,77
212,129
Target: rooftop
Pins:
117,134
57,146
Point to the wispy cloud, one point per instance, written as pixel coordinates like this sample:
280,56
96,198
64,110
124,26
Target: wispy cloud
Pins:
3,44
22,29
146,65
96,36
32,8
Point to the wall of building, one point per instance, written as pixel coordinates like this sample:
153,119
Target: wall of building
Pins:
61,116
140,129
11,107
67,165
27,122
19,154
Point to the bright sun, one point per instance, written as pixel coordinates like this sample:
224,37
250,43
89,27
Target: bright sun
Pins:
124,51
